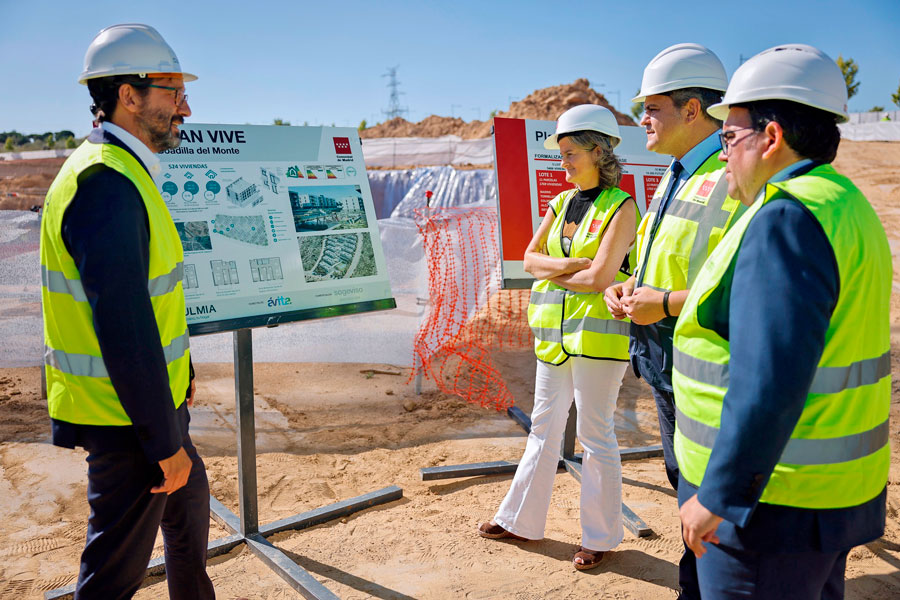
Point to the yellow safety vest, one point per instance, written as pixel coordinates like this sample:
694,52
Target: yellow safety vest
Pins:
567,323
838,454
78,386
694,222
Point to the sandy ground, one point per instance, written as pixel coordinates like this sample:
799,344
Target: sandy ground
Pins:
24,183
329,432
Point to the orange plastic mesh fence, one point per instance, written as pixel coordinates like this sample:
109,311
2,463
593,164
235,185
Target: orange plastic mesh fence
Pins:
469,316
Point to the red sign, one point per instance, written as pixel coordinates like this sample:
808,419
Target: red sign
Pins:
627,184
342,145
706,189
512,186
549,185
528,179
595,226
650,184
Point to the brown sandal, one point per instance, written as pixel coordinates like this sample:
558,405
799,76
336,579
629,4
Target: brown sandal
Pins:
589,559
492,531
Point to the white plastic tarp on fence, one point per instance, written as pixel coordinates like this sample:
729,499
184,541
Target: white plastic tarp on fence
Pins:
880,131
874,117
446,150
872,127
399,193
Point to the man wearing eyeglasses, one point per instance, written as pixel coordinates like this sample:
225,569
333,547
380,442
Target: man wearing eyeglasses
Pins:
117,355
782,369
689,213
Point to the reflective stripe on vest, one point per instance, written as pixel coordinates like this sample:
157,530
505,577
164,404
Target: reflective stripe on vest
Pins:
800,451
827,380
57,282
85,365
695,220
78,385
607,326
838,454
595,325
566,323
548,296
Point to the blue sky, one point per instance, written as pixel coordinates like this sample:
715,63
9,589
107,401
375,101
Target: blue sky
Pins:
322,63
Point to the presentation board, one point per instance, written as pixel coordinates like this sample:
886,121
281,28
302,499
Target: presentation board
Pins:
529,177
277,225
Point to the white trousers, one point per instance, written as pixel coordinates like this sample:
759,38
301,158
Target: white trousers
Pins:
595,386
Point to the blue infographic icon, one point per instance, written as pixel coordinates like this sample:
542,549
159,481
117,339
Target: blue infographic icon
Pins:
169,189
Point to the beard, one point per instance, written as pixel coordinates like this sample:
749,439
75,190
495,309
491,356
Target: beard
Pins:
157,124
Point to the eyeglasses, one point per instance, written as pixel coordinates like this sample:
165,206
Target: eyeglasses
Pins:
180,96
726,138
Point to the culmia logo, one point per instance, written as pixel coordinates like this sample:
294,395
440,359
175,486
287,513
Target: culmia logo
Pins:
203,309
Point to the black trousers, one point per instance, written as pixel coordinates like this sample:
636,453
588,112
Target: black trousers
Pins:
124,521
665,410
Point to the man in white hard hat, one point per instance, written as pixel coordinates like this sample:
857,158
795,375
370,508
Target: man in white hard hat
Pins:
117,354
782,350
689,213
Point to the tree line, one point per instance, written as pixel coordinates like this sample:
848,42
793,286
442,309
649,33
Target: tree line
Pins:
49,139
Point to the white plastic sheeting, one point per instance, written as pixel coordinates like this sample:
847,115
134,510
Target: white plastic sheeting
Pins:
874,117
445,150
399,193
870,127
879,131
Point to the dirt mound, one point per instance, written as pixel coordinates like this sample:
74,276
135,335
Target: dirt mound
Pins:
549,103
24,183
431,126
545,104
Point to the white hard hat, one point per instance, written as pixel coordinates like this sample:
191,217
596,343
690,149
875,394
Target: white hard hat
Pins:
794,72
585,117
682,66
130,49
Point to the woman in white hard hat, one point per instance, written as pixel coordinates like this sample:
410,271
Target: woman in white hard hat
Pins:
579,249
